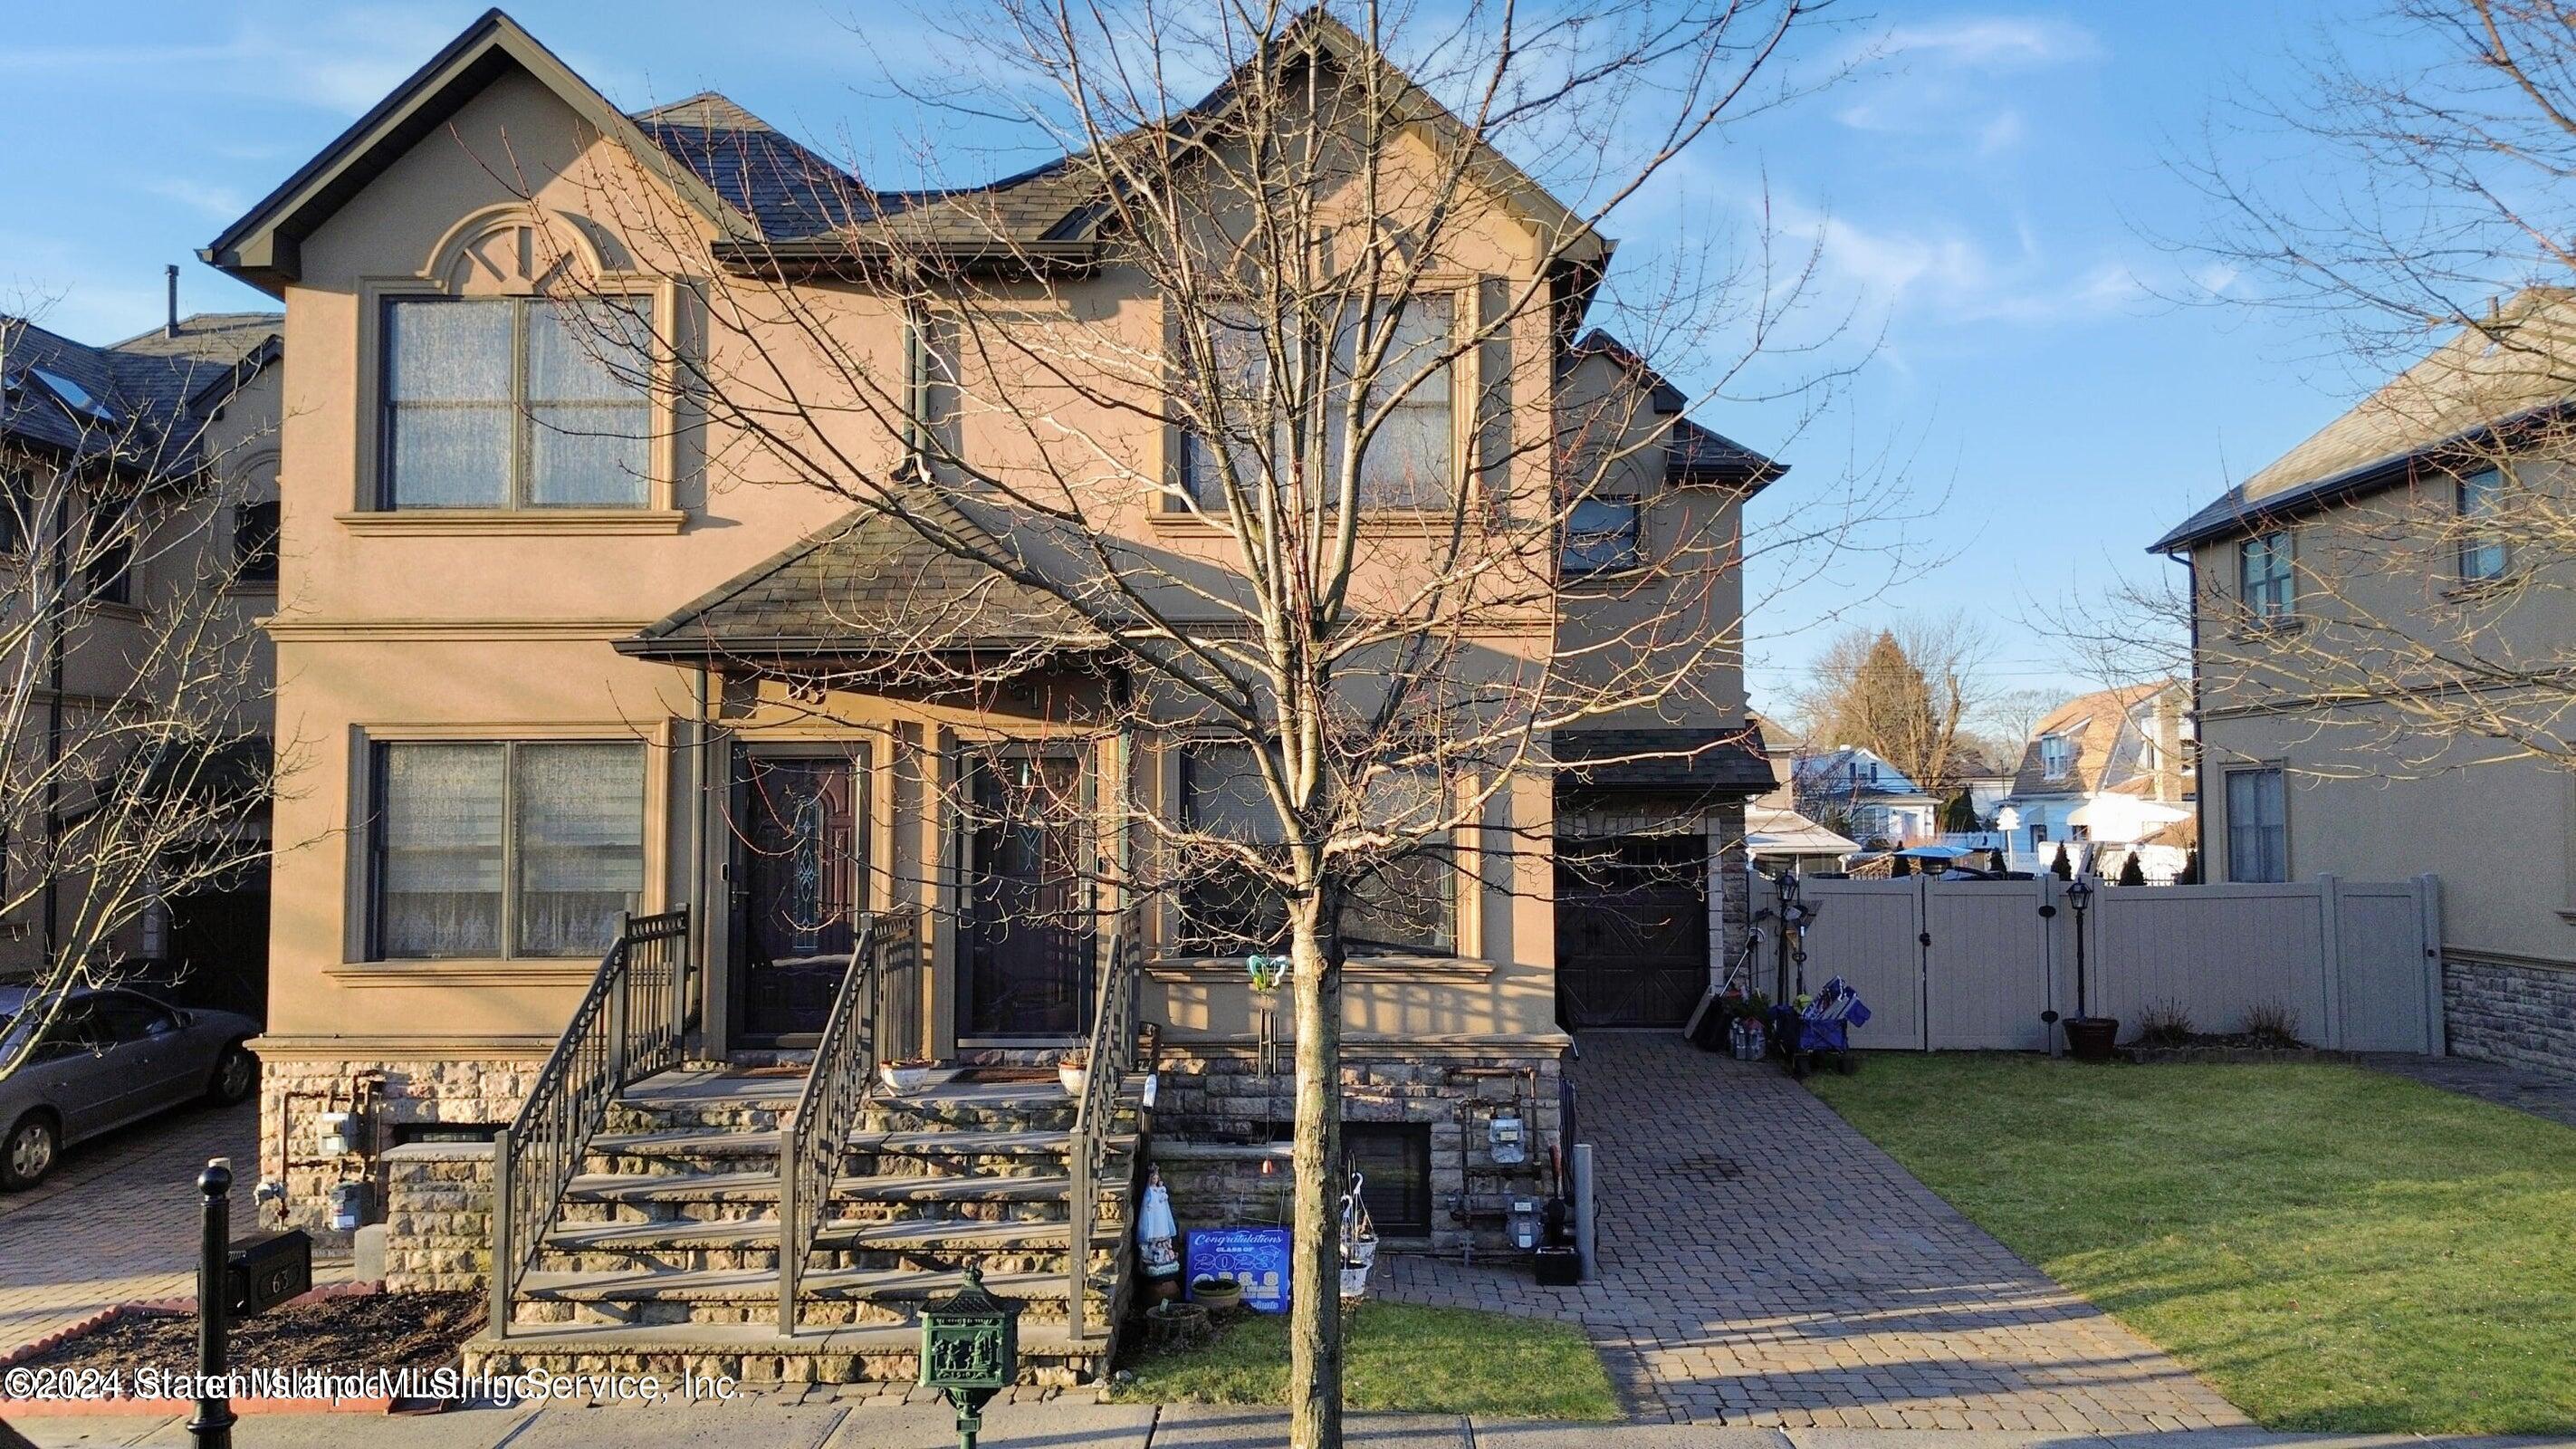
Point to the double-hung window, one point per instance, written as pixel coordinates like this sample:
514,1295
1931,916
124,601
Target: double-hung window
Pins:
1406,903
1411,459
1601,536
2258,827
516,402
2264,577
255,541
520,848
2056,757
2480,500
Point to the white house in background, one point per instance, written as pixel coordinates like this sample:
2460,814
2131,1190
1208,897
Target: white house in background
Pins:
2109,768
1851,789
1988,782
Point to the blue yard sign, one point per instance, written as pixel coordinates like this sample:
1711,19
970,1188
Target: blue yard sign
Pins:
1257,1258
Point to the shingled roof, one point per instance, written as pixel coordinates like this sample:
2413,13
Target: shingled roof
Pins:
144,398
1720,760
869,583
1698,453
2490,377
2106,750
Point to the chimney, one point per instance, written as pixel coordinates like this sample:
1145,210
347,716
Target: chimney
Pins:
170,328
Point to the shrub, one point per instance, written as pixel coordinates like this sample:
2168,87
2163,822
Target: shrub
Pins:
2164,1024
2062,868
2131,872
2190,872
2272,1024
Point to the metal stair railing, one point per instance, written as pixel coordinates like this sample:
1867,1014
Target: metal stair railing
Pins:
1115,1024
811,1142
629,1025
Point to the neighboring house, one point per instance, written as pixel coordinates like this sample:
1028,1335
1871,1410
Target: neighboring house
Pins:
530,720
2356,572
156,458
2108,768
1987,783
1854,791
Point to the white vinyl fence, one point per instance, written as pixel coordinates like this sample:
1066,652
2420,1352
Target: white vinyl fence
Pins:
1975,965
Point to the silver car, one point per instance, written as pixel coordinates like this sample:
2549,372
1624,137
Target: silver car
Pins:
109,1057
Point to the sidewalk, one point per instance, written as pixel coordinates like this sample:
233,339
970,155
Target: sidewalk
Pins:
1067,1425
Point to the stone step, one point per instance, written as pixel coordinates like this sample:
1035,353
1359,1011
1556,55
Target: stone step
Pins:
752,1243
746,1194
826,1296
757,1353
957,1153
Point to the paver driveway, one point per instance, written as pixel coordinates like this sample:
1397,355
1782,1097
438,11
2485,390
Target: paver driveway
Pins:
1761,1263
117,1221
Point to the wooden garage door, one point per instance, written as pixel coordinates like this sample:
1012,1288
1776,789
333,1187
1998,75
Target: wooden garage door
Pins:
1631,930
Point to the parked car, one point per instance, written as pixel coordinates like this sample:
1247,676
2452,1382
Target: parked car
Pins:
110,1057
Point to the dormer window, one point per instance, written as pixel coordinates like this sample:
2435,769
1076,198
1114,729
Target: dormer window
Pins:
1601,536
2056,757
516,402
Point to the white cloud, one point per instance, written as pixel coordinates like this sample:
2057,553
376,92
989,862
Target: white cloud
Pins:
344,60
218,201
1993,41
1942,275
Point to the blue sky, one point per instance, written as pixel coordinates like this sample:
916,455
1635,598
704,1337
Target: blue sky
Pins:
1988,189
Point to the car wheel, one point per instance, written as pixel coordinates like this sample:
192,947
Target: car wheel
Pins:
236,1076
28,1152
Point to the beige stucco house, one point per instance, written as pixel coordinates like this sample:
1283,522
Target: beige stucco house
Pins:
560,656
2381,628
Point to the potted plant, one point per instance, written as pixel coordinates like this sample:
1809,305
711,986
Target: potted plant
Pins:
1072,1070
1216,1294
905,1074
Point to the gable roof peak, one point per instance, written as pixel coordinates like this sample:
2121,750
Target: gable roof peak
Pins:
707,110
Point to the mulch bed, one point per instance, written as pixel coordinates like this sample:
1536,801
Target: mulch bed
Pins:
334,1335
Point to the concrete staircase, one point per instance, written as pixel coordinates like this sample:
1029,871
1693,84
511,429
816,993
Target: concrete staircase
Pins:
663,1255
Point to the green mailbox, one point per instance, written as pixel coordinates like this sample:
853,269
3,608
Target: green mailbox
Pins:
970,1350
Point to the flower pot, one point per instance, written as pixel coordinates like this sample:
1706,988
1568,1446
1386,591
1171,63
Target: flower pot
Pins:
1165,1289
2091,1038
1217,1293
1355,1280
1072,1075
1362,1251
903,1079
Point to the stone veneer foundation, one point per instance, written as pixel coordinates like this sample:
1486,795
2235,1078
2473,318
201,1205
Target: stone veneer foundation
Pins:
2519,1015
1216,1115
296,1089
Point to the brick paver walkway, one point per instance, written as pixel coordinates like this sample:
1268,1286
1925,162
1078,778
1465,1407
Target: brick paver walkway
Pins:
1762,1264
117,1221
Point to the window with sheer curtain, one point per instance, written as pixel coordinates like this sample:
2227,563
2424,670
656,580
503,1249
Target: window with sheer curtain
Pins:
516,402
505,849
1410,462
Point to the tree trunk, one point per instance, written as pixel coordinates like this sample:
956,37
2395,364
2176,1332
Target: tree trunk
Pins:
1315,1255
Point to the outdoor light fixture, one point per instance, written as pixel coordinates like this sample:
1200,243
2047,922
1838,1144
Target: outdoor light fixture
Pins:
2088,1036
970,1350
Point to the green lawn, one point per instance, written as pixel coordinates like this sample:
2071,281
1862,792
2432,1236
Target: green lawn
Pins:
2332,1249
1400,1357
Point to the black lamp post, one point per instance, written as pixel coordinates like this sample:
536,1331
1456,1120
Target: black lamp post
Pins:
970,1350
2089,1037
213,1426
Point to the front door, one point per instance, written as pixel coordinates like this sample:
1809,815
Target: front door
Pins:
800,825
1029,939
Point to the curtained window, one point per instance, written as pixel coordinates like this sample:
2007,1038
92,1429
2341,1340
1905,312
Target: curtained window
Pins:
2258,827
538,845
1411,459
1407,903
2481,500
516,402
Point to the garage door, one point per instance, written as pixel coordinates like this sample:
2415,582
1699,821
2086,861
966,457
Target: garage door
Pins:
1631,930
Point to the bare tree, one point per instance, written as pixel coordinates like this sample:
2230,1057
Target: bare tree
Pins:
133,701
1905,693
2402,201
1271,440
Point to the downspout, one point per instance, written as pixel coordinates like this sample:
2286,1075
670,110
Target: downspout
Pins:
2199,776
700,917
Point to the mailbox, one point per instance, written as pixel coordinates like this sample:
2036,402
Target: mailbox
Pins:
264,1271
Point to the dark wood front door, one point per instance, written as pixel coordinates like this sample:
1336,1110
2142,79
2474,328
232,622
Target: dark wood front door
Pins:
1028,944
800,822
1631,930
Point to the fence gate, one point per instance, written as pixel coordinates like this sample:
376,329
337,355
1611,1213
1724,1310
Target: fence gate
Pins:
1868,932
1987,964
